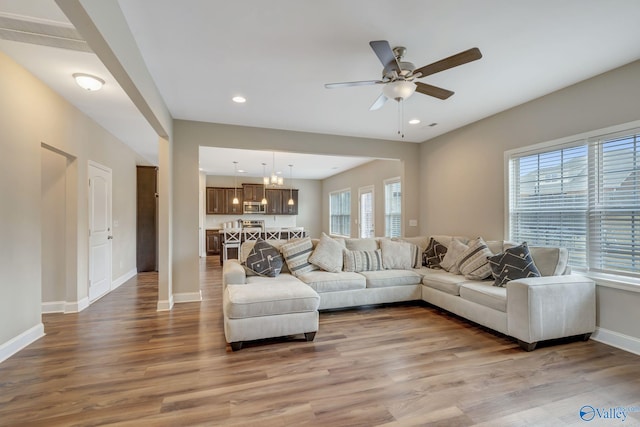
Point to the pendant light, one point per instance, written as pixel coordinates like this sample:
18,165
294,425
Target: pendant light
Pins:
264,194
290,202
235,200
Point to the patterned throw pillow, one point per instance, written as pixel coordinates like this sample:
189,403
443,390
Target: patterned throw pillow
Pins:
434,254
473,262
357,261
514,263
328,254
264,259
296,254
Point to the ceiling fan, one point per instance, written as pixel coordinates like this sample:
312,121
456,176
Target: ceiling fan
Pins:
398,76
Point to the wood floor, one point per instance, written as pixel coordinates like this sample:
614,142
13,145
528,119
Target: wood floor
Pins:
120,362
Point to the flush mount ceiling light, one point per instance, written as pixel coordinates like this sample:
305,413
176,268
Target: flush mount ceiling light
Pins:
414,121
239,99
88,82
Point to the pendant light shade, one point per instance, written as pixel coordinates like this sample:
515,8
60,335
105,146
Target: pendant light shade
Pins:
235,200
290,202
266,182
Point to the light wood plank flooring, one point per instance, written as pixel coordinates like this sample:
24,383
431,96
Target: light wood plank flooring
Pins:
120,362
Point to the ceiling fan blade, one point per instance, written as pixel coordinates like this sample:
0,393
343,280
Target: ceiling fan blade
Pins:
434,91
379,102
385,54
348,84
470,55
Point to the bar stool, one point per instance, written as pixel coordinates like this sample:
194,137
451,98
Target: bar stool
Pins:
272,234
249,234
296,232
231,239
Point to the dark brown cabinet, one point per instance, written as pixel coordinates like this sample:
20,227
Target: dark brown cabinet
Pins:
278,202
213,242
146,218
220,199
230,194
216,200
252,192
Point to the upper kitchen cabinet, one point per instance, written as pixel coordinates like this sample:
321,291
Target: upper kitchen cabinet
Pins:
216,200
274,202
252,192
286,208
230,194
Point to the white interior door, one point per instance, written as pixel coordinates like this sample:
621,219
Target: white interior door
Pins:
366,220
100,234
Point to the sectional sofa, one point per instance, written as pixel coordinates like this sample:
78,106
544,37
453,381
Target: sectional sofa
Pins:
330,273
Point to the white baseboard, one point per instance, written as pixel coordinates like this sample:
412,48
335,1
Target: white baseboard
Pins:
76,306
122,279
53,307
618,340
188,297
165,305
16,344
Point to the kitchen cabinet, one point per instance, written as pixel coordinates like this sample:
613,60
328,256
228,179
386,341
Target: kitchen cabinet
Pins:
230,207
216,200
213,242
252,192
278,199
286,208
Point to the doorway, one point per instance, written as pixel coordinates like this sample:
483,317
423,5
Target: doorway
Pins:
366,212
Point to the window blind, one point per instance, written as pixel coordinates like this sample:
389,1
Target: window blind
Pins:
393,209
548,200
340,213
615,204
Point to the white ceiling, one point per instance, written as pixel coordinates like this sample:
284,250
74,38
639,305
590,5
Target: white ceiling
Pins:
279,53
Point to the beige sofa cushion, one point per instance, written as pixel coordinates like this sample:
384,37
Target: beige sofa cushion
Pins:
324,281
369,244
278,296
328,254
388,278
451,258
443,281
397,254
484,293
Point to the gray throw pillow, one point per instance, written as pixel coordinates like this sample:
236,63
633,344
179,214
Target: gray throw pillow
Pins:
514,263
264,259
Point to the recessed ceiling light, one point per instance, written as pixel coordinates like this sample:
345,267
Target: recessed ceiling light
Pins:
242,171
239,99
414,121
88,82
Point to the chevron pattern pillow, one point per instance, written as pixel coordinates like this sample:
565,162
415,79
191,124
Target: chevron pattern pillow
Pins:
264,259
514,263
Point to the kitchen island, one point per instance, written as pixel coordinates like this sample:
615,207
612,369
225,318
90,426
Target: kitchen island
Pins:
232,238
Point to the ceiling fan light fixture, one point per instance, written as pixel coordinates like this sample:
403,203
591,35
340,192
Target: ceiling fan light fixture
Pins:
88,82
400,89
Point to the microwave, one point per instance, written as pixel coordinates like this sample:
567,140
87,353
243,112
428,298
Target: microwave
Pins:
254,208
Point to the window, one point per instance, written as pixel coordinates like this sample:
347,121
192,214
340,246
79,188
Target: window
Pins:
392,208
340,213
584,196
366,223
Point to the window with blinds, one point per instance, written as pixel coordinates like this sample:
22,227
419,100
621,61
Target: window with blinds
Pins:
584,196
392,208
340,213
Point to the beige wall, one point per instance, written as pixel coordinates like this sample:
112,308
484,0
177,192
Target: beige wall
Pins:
33,115
372,173
188,136
462,174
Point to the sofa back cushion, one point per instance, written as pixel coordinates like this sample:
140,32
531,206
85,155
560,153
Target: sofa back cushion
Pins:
398,255
368,244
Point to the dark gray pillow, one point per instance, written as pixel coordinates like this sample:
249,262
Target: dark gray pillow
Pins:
264,259
514,263
434,254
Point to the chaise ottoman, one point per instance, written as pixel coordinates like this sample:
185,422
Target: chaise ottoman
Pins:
266,307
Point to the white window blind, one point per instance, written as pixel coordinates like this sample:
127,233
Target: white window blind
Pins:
392,208
548,200
340,213
615,202
584,196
